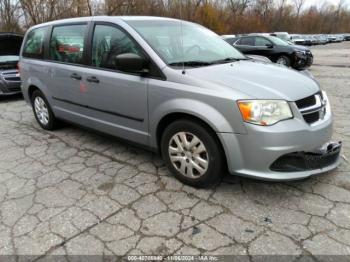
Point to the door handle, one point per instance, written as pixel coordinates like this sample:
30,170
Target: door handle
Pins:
75,76
93,79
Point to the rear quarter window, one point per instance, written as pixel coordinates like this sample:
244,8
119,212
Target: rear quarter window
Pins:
34,43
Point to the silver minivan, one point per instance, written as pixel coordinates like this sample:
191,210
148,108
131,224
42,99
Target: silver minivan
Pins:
179,89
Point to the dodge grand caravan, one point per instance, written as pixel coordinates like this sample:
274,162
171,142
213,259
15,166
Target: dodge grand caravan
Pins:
179,89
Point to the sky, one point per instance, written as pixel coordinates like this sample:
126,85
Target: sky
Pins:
320,2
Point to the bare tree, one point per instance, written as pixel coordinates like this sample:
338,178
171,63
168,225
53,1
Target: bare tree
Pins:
9,13
223,16
238,6
298,6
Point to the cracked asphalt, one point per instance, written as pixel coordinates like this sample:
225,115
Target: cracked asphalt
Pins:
78,193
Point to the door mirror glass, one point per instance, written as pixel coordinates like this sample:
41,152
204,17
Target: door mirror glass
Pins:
132,63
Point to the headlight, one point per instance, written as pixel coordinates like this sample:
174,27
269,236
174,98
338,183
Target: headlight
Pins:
264,112
301,53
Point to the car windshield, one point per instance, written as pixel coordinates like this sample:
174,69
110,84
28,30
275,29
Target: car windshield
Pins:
278,41
198,46
8,58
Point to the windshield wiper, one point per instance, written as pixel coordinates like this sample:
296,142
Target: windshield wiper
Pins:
191,63
228,60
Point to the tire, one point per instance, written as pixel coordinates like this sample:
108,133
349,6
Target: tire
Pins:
45,118
283,60
207,174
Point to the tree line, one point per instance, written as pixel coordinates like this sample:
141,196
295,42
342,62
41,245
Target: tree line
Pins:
222,16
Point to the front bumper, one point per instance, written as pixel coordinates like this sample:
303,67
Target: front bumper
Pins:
254,153
304,61
10,82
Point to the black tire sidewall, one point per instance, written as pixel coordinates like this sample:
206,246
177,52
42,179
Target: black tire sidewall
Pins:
52,122
216,163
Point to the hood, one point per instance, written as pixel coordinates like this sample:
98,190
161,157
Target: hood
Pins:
10,44
259,80
300,47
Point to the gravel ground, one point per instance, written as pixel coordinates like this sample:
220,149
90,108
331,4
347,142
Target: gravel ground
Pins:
74,192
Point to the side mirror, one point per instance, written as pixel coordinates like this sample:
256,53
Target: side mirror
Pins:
131,63
269,45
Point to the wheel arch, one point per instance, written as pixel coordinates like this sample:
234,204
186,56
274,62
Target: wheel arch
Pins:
31,90
174,116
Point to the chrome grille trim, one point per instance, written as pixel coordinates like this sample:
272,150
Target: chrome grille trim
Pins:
315,112
10,76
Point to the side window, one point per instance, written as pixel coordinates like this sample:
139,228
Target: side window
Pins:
108,42
246,41
231,40
67,43
260,41
34,45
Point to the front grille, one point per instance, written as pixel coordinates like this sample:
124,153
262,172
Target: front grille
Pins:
11,76
12,79
312,118
303,161
7,67
14,89
306,102
312,108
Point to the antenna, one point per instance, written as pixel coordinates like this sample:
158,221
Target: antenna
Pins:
182,40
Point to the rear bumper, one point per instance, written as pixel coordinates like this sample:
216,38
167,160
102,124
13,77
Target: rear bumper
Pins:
255,153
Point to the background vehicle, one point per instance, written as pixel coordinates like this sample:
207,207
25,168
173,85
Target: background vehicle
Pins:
298,40
10,45
331,39
277,50
322,40
308,40
195,99
282,35
259,58
339,38
229,38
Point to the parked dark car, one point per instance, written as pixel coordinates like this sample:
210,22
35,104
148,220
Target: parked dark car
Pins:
10,45
277,50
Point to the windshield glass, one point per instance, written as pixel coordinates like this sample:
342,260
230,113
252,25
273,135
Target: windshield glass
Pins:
278,41
198,44
8,58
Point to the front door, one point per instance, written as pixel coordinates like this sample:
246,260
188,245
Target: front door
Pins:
264,47
116,100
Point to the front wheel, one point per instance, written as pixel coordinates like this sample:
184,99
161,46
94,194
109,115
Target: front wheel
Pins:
283,60
42,111
192,152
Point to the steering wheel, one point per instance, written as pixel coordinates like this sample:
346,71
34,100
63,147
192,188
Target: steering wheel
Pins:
192,48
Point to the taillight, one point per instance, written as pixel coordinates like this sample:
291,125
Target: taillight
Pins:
19,67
